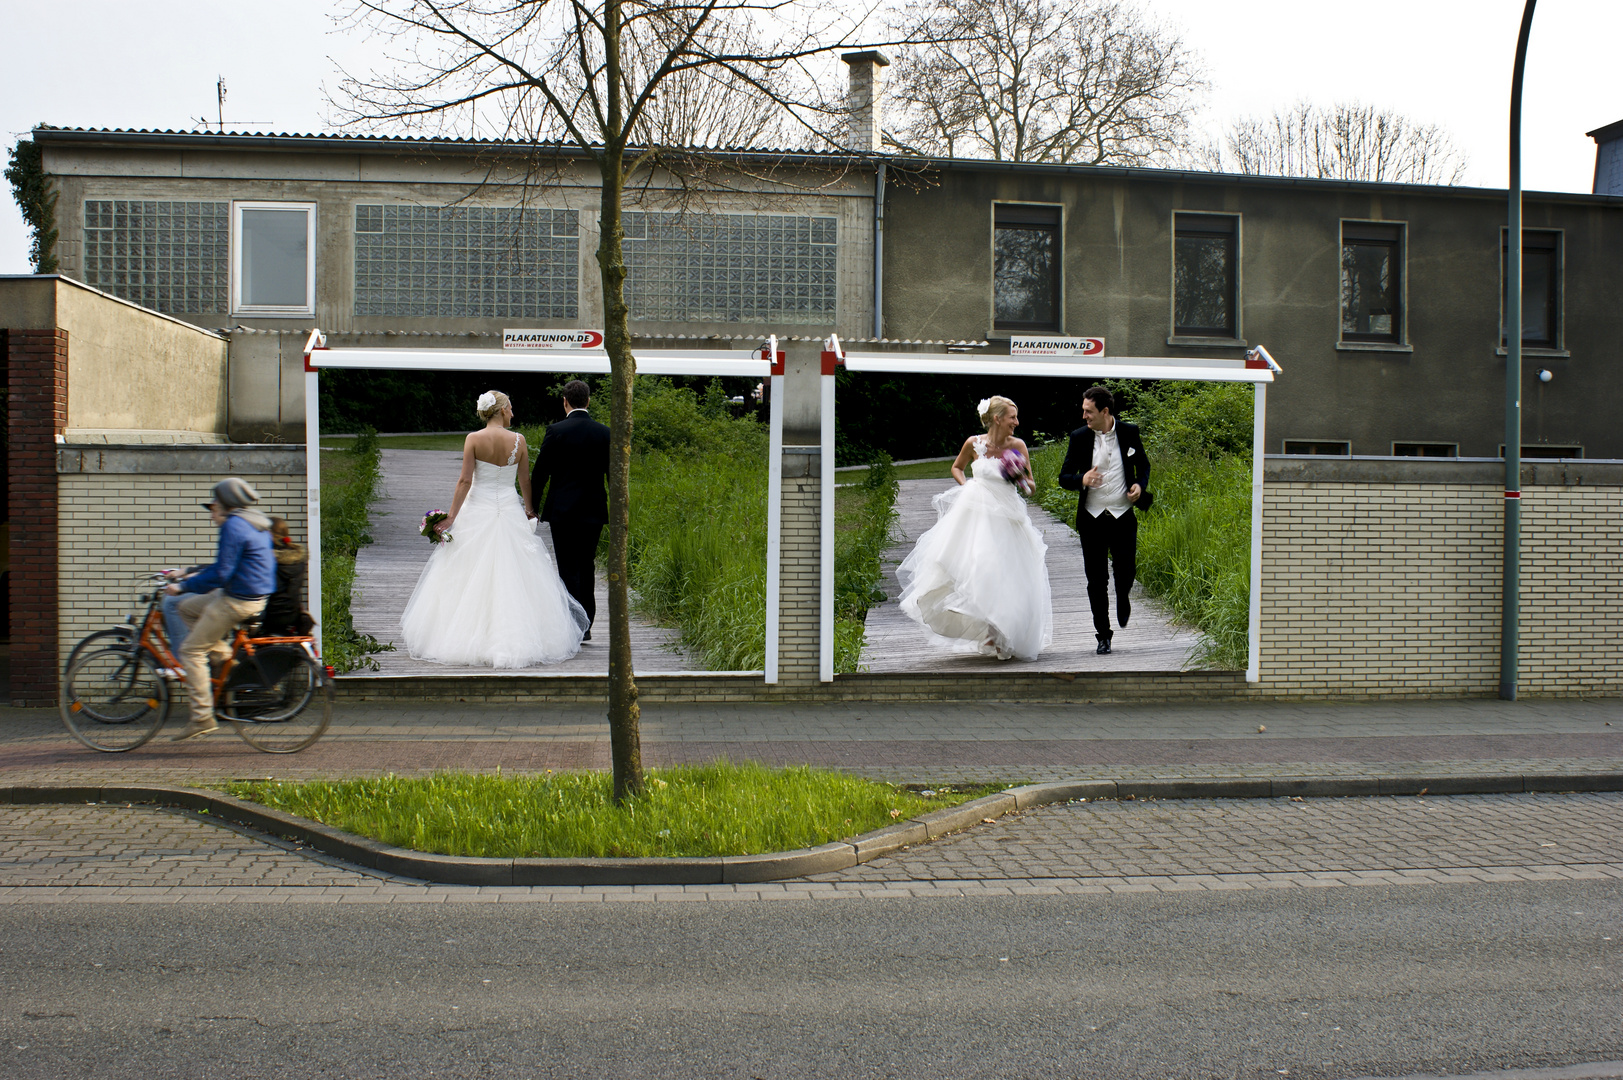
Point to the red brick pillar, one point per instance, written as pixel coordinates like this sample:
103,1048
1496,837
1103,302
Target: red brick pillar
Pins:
37,362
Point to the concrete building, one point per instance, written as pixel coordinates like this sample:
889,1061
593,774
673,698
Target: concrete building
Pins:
1384,302
1608,159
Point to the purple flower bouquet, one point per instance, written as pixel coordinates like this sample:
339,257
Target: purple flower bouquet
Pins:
1016,470
426,526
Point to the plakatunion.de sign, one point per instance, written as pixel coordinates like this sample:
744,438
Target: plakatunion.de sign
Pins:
552,339
1057,346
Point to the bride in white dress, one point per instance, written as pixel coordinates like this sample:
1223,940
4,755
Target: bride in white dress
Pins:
977,579
490,595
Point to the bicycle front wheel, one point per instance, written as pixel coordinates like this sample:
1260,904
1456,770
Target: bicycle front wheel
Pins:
112,637
279,701
113,699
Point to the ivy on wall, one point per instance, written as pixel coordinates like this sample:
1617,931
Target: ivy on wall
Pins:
37,199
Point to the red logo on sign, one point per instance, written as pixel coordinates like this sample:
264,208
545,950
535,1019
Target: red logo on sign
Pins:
590,339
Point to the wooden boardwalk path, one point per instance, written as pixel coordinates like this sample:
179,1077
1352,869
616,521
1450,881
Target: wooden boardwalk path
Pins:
896,643
386,572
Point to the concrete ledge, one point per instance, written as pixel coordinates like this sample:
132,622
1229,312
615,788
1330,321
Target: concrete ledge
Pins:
1195,789
940,822
617,871
214,459
1046,794
1488,472
891,838
717,687
777,865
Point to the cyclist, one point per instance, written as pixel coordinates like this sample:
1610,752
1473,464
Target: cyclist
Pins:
218,597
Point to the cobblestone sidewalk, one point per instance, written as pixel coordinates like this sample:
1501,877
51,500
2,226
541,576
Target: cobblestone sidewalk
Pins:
113,854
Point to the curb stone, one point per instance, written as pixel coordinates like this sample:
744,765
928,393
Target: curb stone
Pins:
777,865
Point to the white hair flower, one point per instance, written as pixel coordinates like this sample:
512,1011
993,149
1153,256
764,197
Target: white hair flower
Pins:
986,403
486,400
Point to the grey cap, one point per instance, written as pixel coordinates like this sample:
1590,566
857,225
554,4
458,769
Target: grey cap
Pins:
233,494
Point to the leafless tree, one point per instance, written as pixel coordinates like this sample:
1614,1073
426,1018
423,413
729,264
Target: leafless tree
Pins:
627,85
1347,141
1090,82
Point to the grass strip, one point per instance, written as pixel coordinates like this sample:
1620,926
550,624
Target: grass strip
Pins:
689,811
349,481
864,524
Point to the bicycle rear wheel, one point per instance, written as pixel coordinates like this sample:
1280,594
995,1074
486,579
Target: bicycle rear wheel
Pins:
112,637
279,700
113,699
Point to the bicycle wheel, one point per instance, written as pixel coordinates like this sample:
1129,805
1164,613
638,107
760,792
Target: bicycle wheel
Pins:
119,636
278,700
114,699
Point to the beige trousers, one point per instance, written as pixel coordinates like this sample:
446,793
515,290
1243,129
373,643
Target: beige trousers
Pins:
211,616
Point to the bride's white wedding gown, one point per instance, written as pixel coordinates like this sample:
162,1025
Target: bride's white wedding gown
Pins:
977,580
491,596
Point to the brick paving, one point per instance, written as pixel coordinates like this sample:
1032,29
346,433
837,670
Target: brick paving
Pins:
108,854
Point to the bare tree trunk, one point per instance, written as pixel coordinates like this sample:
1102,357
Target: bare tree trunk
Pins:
625,740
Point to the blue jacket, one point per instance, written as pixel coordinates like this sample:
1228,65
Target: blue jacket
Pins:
244,566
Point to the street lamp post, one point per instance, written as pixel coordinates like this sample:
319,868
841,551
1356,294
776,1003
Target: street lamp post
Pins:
1511,603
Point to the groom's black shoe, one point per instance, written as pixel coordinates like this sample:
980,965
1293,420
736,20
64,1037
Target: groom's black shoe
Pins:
1104,644
1124,611
586,636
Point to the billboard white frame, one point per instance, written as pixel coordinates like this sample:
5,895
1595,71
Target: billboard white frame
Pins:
1257,367
765,363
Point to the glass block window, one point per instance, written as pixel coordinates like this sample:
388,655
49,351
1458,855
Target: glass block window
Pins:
738,268
169,256
466,262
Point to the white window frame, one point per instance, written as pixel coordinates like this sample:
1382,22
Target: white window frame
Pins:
308,308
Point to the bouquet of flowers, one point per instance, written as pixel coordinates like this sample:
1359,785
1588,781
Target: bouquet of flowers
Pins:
426,526
1016,470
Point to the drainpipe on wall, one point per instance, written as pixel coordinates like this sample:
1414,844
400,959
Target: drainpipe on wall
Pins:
879,251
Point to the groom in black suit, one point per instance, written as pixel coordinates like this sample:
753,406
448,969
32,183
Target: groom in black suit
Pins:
575,457
1106,462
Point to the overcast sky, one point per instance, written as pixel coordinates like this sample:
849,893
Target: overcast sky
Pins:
90,63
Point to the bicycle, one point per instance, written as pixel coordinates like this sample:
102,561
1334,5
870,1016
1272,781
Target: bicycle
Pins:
117,696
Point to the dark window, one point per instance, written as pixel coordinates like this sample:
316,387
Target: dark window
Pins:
1541,289
1025,267
1425,449
1204,279
1371,282
1310,446
1544,450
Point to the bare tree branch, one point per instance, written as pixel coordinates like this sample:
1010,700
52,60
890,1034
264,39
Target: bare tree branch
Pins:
1345,141
1090,83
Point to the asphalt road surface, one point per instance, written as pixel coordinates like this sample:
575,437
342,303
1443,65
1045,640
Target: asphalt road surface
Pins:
1344,982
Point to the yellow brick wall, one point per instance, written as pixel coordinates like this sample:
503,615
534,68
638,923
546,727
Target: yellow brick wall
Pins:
114,527
1394,589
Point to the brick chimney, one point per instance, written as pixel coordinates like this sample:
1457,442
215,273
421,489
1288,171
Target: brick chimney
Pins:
862,99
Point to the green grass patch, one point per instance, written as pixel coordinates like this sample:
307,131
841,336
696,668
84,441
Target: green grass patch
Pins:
918,470
692,811
349,480
697,544
864,524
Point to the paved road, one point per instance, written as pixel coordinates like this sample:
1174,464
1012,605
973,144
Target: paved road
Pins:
1301,983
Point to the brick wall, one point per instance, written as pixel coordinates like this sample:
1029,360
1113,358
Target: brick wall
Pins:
1390,584
119,518
800,586
37,373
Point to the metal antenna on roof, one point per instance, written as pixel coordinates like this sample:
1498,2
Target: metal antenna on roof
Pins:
219,89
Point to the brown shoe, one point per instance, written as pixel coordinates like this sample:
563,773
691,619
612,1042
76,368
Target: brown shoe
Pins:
191,731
